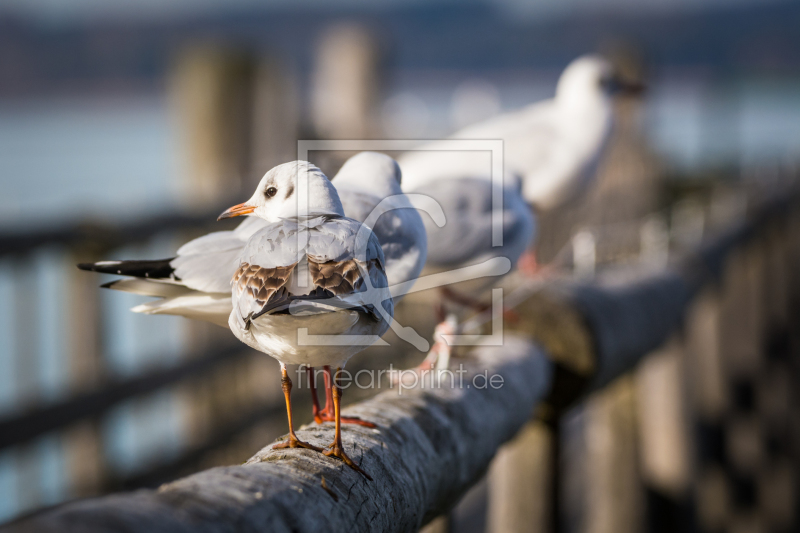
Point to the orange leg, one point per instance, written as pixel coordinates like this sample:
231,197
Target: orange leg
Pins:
336,449
312,383
328,414
528,264
439,350
293,442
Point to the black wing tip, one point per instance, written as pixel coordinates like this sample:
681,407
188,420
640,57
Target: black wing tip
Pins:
153,269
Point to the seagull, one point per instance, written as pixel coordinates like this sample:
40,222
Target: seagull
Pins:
310,268
196,282
553,145
466,242
550,153
369,180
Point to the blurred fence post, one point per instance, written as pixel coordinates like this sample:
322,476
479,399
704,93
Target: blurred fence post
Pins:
664,435
345,83
211,89
615,495
84,442
276,117
214,91
26,373
708,395
520,482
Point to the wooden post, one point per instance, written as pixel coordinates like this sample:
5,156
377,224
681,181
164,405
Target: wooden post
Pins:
662,424
276,117
519,483
615,495
345,83
84,442
211,91
27,369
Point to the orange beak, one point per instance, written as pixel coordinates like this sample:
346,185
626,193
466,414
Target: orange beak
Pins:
237,211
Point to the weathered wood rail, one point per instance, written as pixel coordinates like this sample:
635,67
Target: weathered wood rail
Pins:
431,444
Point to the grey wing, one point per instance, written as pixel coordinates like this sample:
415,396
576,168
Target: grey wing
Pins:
400,232
345,259
529,136
207,263
466,237
265,264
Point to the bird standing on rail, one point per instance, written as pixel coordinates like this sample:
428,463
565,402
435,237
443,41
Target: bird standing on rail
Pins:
550,154
196,283
310,271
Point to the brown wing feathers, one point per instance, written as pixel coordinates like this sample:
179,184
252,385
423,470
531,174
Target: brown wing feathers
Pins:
338,277
265,285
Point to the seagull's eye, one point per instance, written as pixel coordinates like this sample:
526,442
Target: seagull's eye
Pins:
272,191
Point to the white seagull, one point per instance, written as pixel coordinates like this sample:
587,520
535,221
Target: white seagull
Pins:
310,271
195,283
553,145
550,153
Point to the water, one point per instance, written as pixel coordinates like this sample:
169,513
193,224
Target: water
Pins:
68,159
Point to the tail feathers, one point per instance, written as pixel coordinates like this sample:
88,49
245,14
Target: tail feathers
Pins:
154,269
214,308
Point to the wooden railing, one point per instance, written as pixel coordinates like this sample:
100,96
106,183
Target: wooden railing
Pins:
432,444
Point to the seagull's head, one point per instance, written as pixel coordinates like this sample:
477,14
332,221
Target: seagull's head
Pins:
287,191
592,78
371,172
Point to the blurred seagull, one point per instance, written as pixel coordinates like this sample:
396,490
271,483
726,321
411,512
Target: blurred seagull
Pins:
550,153
369,187
466,243
553,145
310,268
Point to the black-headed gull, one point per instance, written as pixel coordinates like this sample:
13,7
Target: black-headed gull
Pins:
553,145
550,151
310,272
195,283
302,271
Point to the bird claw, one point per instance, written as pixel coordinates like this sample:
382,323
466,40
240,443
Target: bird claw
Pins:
336,450
295,443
